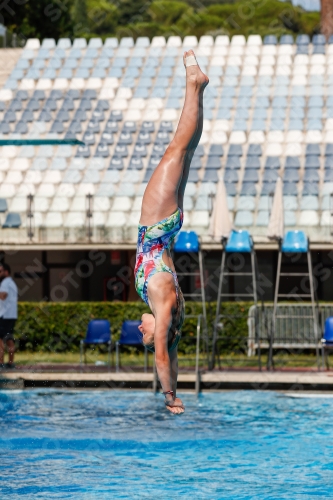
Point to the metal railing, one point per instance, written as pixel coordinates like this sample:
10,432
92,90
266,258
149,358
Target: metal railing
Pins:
294,329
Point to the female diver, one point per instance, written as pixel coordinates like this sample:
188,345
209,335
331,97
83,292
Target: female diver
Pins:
161,219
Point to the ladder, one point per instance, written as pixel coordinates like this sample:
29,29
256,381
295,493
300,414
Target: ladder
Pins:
294,242
239,242
188,244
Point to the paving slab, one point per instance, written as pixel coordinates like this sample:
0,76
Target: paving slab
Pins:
216,380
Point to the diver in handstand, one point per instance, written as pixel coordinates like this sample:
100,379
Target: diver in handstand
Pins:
161,219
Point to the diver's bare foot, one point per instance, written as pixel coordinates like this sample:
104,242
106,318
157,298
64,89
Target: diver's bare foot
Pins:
175,406
194,73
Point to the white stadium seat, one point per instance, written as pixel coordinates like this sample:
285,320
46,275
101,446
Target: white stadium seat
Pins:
158,41
60,83
74,219
47,190
32,44
237,137
254,40
101,203
42,204
190,42
25,189
206,41
309,218
7,190
21,164
174,41
14,177
18,204
123,203
44,84
238,40
116,219
77,84
222,41
53,219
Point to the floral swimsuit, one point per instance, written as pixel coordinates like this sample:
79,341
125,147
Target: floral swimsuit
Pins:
152,241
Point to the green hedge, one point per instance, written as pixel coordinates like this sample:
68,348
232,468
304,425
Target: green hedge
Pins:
59,327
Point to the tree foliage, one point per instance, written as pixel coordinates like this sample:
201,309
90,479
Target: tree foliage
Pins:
38,18
80,16
160,17
232,18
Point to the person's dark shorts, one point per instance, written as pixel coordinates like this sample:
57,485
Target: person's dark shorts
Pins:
7,328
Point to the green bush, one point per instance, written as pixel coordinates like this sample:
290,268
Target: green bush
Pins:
59,327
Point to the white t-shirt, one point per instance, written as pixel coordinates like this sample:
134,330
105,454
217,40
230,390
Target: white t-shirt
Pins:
8,307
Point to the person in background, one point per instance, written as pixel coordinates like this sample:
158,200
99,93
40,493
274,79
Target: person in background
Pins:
8,314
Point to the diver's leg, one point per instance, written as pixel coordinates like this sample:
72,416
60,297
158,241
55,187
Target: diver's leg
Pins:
191,151
161,196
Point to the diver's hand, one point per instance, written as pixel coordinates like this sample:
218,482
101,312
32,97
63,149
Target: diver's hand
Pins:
174,405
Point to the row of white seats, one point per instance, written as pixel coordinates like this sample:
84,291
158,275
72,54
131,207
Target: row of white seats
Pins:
70,190
75,204
275,143
54,175
328,126
20,157
111,189
199,202
122,220
157,41
115,91
32,178
18,171
230,56
233,56
108,93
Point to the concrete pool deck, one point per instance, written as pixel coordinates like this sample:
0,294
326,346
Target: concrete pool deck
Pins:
295,380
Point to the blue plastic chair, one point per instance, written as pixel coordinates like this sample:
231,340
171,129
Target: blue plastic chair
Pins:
327,340
270,40
295,242
187,241
286,40
131,336
239,241
3,205
13,220
272,162
98,333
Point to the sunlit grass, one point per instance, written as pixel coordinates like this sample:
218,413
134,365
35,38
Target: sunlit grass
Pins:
135,359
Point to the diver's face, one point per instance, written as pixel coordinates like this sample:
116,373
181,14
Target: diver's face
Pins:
147,326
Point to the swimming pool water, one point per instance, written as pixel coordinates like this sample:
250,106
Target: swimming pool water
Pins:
123,444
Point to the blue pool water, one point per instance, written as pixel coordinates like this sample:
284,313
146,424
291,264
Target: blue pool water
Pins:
118,444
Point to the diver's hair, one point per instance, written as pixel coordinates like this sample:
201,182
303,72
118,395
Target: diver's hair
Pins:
150,341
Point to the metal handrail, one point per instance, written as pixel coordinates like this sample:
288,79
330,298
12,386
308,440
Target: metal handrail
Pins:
197,354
